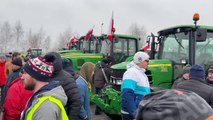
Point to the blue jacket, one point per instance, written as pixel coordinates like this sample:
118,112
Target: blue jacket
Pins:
85,103
134,86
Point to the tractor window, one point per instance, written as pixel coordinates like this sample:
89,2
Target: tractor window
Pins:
89,46
176,47
132,47
204,50
92,46
123,47
105,47
120,46
120,49
36,51
85,46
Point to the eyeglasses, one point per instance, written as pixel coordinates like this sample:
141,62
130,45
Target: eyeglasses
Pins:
22,72
147,61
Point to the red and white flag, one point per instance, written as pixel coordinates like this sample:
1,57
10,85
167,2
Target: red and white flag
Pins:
111,29
145,48
89,34
73,39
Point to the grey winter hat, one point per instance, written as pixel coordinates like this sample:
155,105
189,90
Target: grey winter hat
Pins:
186,68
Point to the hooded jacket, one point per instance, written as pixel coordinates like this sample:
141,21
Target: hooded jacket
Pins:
134,86
14,75
83,82
2,74
13,106
198,86
68,84
47,109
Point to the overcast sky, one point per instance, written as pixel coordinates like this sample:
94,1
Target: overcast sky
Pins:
55,16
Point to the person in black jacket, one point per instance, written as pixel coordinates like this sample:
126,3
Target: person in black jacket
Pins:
99,80
197,84
184,76
67,82
67,66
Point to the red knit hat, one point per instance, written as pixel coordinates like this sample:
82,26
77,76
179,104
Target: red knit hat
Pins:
39,69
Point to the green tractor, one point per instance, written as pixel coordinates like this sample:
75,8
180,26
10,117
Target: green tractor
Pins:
171,49
34,52
99,47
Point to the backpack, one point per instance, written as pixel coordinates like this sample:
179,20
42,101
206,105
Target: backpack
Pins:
174,105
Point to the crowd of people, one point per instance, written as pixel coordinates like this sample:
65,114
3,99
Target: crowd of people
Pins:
46,87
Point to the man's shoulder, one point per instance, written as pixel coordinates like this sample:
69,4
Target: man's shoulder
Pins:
195,83
131,70
47,109
62,76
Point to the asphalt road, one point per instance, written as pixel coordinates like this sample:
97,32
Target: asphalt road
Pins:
102,116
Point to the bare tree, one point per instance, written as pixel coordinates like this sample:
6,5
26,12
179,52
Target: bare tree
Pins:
18,31
139,31
46,44
5,36
35,39
64,38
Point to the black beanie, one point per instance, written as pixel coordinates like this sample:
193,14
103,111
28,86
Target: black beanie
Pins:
197,71
39,69
17,61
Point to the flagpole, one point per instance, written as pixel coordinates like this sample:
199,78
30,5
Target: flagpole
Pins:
102,28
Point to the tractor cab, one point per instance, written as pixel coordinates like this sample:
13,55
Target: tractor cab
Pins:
178,46
121,47
34,52
98,47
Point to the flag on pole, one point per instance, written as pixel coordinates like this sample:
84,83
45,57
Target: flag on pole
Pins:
89,34
145,48
73,39
111,29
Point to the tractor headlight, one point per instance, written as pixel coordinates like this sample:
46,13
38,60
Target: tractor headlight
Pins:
116,81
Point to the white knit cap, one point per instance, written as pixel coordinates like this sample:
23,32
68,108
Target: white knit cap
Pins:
140,57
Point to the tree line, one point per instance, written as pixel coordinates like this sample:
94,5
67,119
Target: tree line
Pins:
15,38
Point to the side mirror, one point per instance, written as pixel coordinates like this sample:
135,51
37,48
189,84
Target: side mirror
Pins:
201,35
